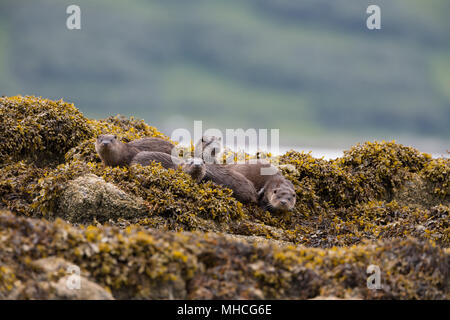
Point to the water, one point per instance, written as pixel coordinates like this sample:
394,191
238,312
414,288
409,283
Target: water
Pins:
329,154
325,153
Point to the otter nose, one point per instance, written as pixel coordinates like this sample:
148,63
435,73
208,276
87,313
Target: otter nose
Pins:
105,143
283,202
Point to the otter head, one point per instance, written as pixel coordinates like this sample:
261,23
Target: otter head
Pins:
108,149
195,167
105,142
279,196
208,147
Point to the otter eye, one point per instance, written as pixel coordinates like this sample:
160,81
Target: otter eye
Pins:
274,191
115,137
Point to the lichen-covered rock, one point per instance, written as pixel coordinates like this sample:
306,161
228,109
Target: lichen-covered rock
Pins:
137,263
18,185
383,166
52,280
437,172
416,191
172,199
39,129
89,198
88,290
321,184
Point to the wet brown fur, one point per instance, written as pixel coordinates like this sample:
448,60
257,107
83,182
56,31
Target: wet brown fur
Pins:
275,192
243,189
116,153
145,158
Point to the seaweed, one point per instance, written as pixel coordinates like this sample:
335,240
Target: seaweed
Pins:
39,129
134,263
381,203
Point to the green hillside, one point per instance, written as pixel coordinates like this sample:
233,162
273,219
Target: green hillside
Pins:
308,67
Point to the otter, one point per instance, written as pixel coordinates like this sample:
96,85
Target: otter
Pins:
195,167
113,152
243,189
116,153
207,148
277,195
145,158
152,144
275,192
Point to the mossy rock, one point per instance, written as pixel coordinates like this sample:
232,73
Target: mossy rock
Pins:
39,129
172,200
321,184
89,198
51,281
383,166
149,264
437,172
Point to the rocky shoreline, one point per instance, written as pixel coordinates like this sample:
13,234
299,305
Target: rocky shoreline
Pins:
152,233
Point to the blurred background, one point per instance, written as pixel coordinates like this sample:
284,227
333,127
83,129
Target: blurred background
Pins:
310,68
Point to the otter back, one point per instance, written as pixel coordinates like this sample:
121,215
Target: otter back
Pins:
116,153
152,144
243,189
145,158
252,171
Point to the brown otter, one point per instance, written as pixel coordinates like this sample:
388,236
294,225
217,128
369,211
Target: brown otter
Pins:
116,153
207,148
145,158
195,167
152,144
275,192
243,189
